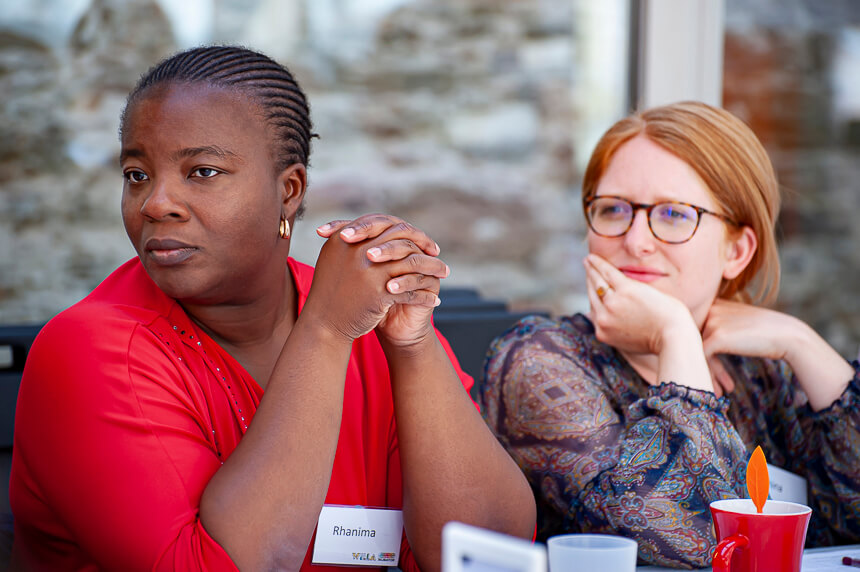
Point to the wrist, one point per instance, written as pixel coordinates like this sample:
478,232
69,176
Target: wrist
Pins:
679,334
411,349
311,327
798,338
681,358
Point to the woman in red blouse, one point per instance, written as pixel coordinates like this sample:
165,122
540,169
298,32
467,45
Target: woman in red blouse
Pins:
199,408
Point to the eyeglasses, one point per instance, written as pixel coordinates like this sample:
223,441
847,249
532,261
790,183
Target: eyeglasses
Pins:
670,222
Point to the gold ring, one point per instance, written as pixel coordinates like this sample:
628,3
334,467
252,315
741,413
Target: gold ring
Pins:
601,292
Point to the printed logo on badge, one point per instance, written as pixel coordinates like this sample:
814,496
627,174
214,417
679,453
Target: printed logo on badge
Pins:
358,536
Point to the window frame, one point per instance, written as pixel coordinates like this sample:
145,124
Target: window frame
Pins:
678,51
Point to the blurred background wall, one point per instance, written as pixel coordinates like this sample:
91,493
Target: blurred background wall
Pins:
473,119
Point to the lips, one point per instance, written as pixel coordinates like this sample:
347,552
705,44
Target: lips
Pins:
642,273
168,251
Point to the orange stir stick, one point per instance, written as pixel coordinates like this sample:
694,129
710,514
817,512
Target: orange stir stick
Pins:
758,483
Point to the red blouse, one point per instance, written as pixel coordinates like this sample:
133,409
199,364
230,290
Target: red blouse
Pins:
127,409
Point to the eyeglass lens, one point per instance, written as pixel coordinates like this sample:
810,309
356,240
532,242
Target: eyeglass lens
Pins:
670,222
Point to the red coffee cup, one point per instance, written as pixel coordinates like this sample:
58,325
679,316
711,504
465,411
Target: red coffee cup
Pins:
752,542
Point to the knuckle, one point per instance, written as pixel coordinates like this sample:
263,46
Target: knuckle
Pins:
378,219
414,261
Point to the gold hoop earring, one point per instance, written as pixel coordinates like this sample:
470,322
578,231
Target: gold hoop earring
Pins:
284,230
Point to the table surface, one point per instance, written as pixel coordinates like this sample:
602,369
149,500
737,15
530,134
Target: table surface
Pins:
827,559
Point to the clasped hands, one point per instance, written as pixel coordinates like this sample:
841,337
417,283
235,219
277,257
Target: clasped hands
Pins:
377,271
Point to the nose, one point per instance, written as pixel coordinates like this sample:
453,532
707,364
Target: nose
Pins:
639,240
163,202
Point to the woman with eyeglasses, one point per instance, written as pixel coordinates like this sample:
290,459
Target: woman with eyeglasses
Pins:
632,419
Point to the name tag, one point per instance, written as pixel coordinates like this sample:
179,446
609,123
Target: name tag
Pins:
786,486
358,536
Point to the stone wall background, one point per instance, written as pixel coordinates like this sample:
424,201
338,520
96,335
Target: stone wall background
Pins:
470,118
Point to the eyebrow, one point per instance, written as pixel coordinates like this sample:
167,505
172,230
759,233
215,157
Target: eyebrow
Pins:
126,153
184,153
203,150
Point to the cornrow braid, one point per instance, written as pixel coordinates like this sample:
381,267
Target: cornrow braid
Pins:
270,83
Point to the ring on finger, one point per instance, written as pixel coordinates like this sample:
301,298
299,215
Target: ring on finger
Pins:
601,291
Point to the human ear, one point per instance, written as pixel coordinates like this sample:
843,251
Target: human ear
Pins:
292,183
739,252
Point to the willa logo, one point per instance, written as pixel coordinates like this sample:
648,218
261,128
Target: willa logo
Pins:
364,556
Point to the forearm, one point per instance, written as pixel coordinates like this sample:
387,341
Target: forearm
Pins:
263,504
819,369
681,358
453,467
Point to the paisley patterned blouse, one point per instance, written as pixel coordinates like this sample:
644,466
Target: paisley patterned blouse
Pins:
606,452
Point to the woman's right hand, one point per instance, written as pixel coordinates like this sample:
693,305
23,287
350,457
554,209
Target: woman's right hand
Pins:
352,288
638,320
631,315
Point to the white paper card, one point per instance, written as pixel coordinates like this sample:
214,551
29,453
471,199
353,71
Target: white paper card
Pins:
358,536
786,486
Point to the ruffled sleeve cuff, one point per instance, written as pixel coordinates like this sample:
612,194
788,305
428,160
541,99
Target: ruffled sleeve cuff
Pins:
847,405
698,398
680,403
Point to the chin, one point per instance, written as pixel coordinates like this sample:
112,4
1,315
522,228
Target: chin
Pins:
179,283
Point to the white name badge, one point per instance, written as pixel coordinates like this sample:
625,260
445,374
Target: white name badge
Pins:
786,486
358,536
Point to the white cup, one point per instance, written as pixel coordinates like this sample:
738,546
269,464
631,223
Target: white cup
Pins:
588,552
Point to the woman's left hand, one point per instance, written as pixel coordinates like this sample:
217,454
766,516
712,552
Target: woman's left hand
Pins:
397,243
743,329
747,330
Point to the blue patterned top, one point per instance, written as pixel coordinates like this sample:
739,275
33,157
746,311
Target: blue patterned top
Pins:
605,451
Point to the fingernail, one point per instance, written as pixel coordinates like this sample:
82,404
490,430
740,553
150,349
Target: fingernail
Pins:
437,302
393,287
438,250
324,227
374,252
447,271
348,232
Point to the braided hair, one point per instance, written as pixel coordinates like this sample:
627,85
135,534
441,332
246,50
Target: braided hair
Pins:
268,82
